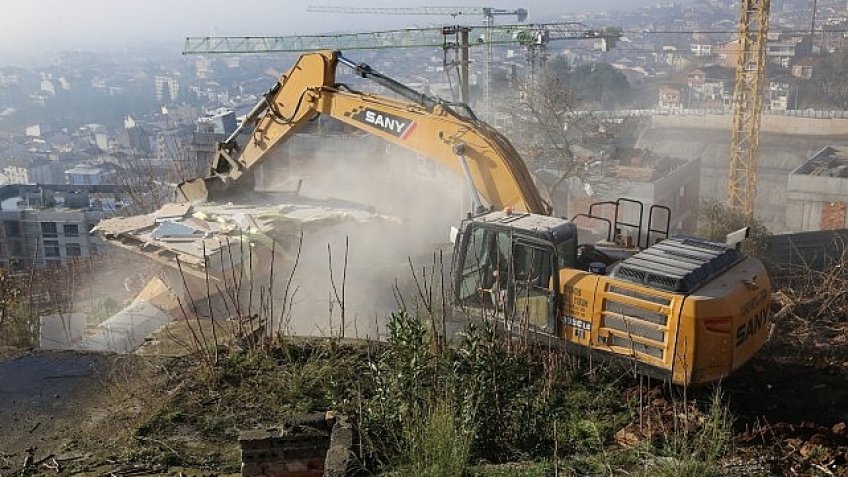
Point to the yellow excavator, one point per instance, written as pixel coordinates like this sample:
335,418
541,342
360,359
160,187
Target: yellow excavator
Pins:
683,309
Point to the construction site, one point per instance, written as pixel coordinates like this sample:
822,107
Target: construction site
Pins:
495,274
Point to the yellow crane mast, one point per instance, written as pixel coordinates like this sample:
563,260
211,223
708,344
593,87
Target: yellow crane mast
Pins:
747,105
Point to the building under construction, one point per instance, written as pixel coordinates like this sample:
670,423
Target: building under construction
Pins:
817,192
649,178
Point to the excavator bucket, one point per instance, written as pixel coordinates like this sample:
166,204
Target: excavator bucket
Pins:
194,190
215,188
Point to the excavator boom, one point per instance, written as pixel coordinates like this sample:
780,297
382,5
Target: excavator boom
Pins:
416,122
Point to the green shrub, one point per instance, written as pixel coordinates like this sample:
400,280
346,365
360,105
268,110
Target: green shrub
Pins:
716,220
516,404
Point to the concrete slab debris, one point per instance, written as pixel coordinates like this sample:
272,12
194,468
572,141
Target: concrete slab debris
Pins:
125,331
211,238
169,230
172,211
116,226
61,331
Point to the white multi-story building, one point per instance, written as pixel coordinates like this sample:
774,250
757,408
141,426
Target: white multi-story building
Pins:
47,226
166,83
698,49
778,95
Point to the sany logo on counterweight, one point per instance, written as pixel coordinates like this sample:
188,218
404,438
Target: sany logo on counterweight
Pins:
394,125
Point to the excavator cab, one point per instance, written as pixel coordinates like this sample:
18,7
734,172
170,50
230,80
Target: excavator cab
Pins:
506,264
506,267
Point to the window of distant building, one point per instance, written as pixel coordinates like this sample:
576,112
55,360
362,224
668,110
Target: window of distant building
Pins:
48,230
71,230
12,228
51,248
73,250
15,248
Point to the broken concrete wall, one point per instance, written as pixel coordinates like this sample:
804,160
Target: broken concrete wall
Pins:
779,155
126,330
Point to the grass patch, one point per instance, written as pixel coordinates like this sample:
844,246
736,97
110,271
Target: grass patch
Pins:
436,445
514,469
694,451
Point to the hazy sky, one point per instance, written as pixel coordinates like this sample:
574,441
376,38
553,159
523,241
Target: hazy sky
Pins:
38,25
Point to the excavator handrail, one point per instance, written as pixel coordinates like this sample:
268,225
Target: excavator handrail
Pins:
365,71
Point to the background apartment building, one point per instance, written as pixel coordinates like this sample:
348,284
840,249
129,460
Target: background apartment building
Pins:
47,226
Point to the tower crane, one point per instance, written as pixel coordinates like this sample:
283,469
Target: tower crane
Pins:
533,37
747,105
488,13
525,35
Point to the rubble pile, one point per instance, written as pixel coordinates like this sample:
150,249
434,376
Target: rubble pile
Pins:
212,238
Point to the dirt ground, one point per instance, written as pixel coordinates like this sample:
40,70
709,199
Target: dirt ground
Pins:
73,409
796,378
791,401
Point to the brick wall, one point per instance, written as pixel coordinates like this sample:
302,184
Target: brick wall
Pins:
316,445
284,453
833,215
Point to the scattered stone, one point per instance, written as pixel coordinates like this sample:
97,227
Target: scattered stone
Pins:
28,460
794,443
757,466
629,436
808,449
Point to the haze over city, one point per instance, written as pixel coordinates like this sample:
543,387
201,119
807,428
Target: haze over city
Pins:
43,25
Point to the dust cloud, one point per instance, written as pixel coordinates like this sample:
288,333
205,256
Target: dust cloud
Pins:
418,199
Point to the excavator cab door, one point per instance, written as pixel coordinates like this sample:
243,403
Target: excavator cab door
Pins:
532,272
483,266
506,274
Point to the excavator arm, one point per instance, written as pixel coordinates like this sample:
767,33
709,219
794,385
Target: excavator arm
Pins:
416,122
278,115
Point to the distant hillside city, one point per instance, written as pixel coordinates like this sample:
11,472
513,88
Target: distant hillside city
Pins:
101,119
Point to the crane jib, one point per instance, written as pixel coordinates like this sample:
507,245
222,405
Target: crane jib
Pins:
389,123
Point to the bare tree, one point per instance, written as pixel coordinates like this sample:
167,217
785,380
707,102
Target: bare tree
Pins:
18,323
545,126
150,182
